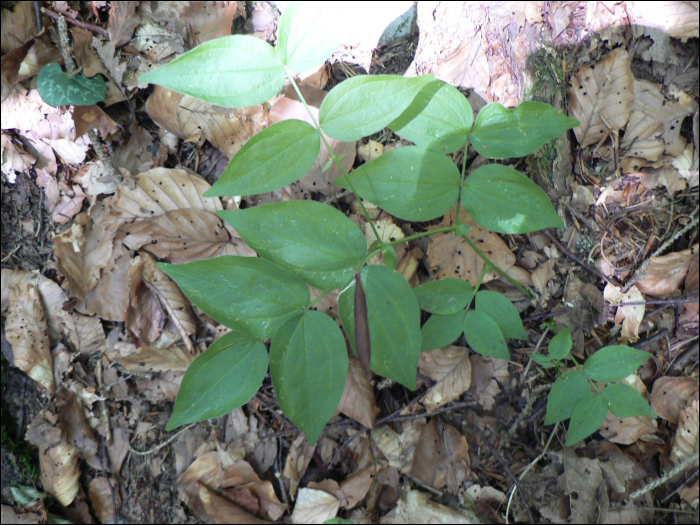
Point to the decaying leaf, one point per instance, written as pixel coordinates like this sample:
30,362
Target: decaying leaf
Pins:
104,498
416,507
665,274
298,459
145,315
399,448
84,332
314,506
686,440
626,431
451,370
442,456
358,401
27,332
630,316
670,394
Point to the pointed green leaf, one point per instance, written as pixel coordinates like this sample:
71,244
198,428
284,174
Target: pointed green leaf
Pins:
226,376
442,330
56,88
506,201
484,335
500,309
346,312
390,257
439,118
365,104
543,360
501,133
233,72
588,415
411,183
614,363
569,388
625,401
313,240
394,324
308,34
560,345
309,365
247,294
444,297
274,158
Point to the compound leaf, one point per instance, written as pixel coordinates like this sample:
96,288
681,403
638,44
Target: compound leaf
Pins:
500,309
274,158
501,133
484,335
247,294
587,417
442,330
444,297
614,363
226,376
56,88
313,240
234,72
625,401
506,201
365,104
309,365
569,388
411,183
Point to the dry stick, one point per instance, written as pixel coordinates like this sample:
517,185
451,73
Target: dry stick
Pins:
667,477
165,443
84,25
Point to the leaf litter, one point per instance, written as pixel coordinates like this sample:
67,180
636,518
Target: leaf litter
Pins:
108,336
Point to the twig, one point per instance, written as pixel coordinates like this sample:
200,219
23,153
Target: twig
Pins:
663,479
84,25
165,443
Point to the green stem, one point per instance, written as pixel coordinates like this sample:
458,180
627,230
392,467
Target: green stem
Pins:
331,153
421,235
461,179
496,268
318,299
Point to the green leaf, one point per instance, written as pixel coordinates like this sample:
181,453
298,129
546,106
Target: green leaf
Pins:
501,133
56,88
365,104
226,376
442,330
569,388
625,401
588,415
614,363
234,72
446,296
309,365
247,294
346,312
394,324
560,345
543,360
308,34
390,257
484,335
506,201
272,159
313,240
411,183
439,118
500,309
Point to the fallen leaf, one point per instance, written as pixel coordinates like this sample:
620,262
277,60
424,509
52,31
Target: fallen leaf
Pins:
298,459
665,274
358,401
630,316
105,499
670,394
685,441
451,369
442,457
314,506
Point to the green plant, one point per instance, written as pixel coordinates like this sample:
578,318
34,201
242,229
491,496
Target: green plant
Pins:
303,243
60,89
575,394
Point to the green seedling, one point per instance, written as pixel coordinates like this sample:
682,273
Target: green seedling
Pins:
302,243
576,395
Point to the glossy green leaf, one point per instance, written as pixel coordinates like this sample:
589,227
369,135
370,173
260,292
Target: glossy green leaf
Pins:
308,34
390,257
313,240
442,330
625,401
272,159
411,183
499,308
247,294
226,376
501,133
506,201
588,415
560,345
309,365
56,88
346,312
569,388
543,360
365,104
394,324
439,118
614,363
233,72
444,297
484,335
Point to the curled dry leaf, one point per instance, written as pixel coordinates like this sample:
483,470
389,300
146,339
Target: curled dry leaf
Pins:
358,401
442,456
240,476
101,495
670,394
152,359
145,314
84,332
314,506
27,332
58,461
416,507
626,431
78,432
665,274
686,440
630,316
451,370
399,448
451,256
298,459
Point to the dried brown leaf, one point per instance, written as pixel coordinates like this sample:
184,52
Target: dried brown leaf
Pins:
104,498
84,332
451,370
665,274
686,440
153,359
442,456
670,394
630,429
358,401
298,459
145,314
314,506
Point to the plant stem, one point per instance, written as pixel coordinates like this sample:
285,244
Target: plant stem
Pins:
318,298
421,235
461,179
330,151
